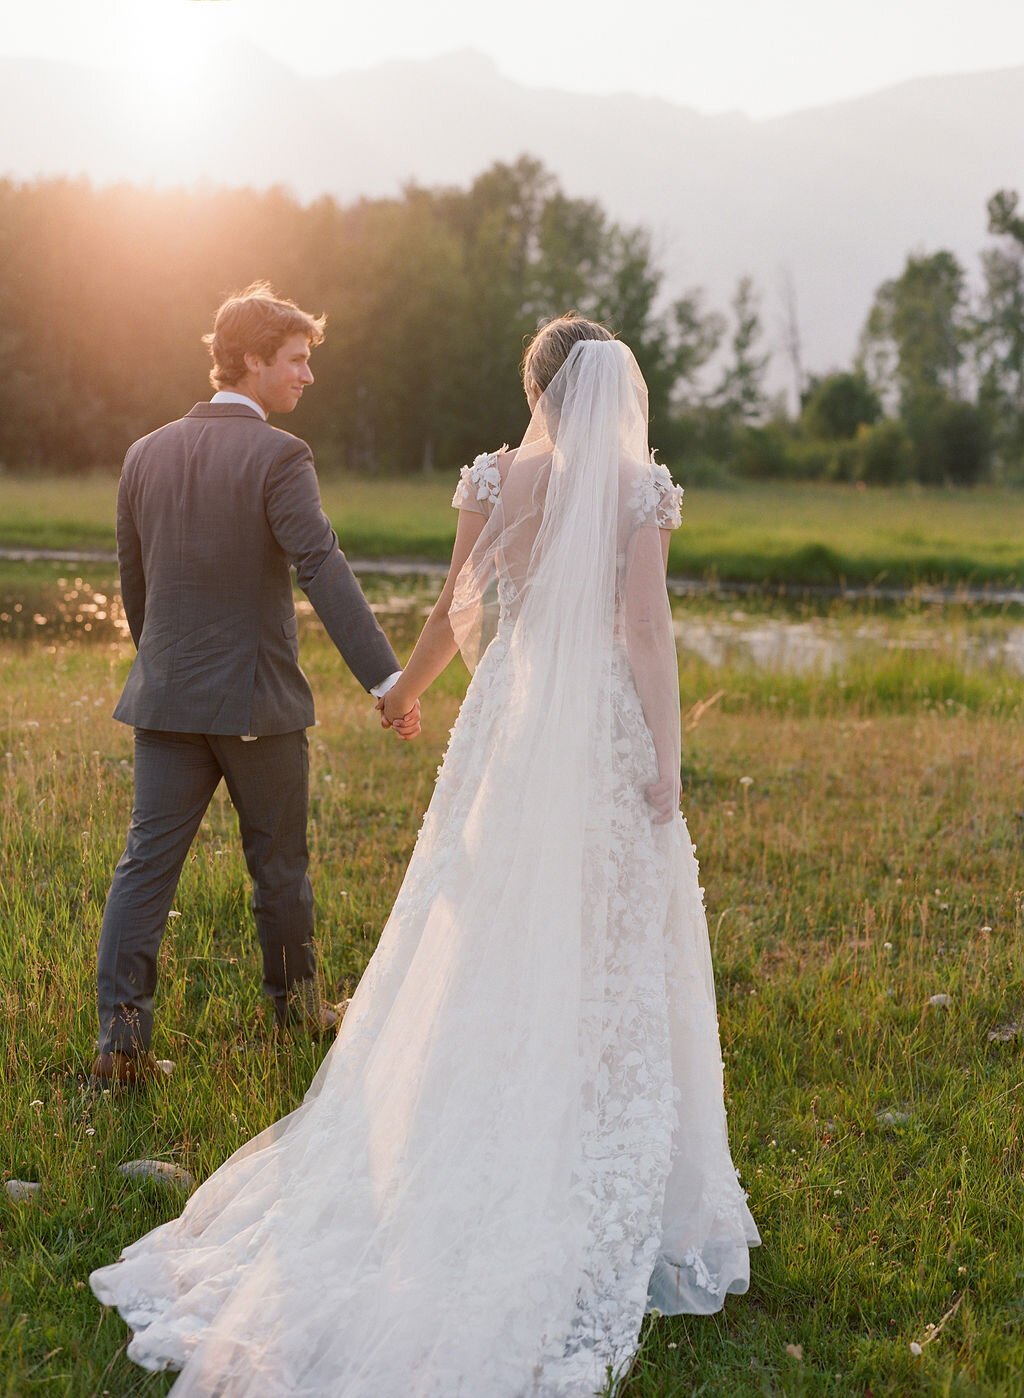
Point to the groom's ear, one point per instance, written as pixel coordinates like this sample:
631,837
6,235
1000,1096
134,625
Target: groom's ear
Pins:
253,361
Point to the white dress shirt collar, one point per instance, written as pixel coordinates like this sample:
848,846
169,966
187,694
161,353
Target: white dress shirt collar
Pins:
224,395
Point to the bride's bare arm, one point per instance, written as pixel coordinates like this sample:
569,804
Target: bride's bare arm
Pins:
436,646
652,657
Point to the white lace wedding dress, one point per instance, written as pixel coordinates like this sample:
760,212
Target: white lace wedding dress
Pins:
517,1145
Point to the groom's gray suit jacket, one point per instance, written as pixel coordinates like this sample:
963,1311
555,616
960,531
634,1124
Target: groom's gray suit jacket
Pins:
211,510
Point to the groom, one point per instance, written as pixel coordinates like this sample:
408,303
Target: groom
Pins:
211,510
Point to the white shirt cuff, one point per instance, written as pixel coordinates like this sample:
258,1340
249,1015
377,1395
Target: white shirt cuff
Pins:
379,690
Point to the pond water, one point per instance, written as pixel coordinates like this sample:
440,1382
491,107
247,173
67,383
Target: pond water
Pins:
89,609
68,608
765,633
824,643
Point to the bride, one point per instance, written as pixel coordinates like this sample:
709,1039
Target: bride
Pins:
517,1144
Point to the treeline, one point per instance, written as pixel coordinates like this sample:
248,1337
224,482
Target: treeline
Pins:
105,292
936,393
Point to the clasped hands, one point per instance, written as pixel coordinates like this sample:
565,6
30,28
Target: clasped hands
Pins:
395,712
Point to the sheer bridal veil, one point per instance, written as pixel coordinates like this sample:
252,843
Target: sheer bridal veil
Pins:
571,558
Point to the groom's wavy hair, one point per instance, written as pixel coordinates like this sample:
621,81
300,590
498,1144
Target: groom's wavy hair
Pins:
550,346
255,321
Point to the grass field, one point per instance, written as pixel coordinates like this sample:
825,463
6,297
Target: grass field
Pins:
860,841
803,534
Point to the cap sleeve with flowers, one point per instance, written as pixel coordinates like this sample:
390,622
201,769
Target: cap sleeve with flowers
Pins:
658,500
480,484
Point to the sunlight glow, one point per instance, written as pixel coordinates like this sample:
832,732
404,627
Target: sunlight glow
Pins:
168,42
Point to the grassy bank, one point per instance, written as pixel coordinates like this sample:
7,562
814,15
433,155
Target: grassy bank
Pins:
861,851
779,533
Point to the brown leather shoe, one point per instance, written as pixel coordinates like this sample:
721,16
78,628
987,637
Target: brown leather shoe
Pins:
125,1071
307,1011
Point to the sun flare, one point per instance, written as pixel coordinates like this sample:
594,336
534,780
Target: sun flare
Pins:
168,42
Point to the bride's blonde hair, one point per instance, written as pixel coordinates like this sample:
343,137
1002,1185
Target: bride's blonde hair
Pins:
549,348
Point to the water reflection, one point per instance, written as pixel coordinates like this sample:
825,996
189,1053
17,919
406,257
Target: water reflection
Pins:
69,609
65,609
822,644
771,635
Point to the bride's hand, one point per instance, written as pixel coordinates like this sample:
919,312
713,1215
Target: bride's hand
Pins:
663,798
408,726
397,713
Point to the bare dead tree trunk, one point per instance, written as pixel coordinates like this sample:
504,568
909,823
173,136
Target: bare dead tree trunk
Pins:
791,334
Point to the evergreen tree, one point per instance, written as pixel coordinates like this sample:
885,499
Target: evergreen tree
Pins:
740,394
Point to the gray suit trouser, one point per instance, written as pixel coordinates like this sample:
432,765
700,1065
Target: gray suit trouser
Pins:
176,775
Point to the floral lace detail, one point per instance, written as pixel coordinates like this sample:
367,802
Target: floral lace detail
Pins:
629,1116
702,1275
656,494
480,484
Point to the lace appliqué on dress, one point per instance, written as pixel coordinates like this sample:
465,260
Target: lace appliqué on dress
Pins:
480,484
656,494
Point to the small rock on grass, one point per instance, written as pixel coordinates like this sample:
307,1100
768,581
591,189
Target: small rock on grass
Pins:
162,1170
891,1118
940,1002
1004,1033
21,1191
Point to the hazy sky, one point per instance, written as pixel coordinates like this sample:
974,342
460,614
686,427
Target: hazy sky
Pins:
759,56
